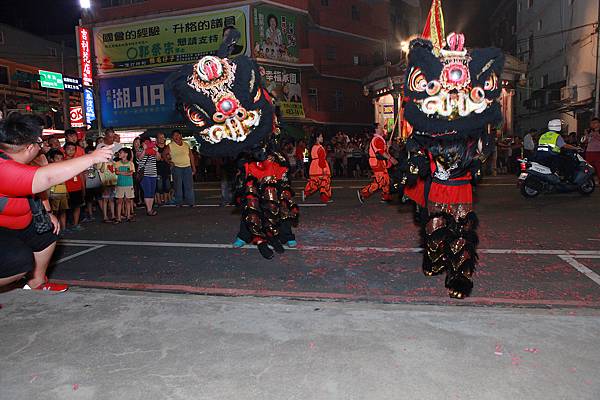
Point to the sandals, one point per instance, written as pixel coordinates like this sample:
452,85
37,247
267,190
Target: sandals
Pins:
152,213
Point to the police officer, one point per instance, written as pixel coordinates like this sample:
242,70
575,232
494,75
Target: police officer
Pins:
549,150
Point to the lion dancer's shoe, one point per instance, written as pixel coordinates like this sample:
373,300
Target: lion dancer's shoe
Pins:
463,257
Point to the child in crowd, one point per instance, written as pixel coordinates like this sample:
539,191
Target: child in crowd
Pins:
93,188
75,187
124,194
59,196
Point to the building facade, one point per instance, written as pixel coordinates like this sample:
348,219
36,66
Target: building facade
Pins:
558,40
314,53
22,55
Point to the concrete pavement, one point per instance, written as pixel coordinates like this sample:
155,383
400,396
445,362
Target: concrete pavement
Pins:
102,344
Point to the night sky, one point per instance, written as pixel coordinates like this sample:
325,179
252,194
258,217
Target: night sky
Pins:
58,17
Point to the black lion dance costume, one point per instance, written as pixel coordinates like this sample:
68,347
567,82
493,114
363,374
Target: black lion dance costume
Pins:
232,115
452,101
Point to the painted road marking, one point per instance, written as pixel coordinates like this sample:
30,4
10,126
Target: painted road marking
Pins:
581,268
78,254
568,253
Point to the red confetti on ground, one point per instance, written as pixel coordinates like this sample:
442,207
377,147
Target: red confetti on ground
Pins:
498,351
75,386
312,345
531,350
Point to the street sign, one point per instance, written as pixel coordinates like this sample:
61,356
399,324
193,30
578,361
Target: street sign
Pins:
51,80
72,84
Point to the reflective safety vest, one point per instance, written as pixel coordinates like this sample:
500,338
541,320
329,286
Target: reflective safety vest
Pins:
548,142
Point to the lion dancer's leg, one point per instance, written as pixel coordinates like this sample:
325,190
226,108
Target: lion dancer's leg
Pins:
289,215
325,188
271,215
312,186
463,256
381,181
437,235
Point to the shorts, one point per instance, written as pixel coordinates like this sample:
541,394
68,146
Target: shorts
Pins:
76,200
148,185
163,184
124,192
92,195
17,247
59,203
108,192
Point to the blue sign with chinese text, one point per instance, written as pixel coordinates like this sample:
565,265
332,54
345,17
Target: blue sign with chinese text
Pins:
88,98
138,101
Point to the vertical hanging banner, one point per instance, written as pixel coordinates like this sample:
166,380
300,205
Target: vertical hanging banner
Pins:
85,56
275,35
167,41
88,99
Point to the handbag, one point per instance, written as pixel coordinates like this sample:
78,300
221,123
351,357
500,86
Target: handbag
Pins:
93,180
139,174
41,220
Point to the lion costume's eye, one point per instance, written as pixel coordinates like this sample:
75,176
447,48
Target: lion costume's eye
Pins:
194,117
416,80
433,88
491,83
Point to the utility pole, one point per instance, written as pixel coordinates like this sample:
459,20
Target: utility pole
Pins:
66,110
597,97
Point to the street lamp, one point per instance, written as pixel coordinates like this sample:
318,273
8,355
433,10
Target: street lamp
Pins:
85,4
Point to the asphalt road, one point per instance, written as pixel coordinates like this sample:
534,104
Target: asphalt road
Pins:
533,252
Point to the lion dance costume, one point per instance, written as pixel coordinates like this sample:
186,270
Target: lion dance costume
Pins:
453,99
319,174
232,115
379,161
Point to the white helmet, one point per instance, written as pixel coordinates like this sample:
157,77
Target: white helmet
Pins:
555,125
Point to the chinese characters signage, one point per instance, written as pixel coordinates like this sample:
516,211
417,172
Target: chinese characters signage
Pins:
167,41
139,100
51,80
85,56
76,116
72,84
274,34
88,101
284,84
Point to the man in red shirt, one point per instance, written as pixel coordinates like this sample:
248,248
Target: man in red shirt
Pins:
22,249
379,161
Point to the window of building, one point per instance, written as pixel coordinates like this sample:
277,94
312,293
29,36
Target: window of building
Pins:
530,82
330,53
356,60
1,37
519,6
4,75
338,100
529,3
540,24
53,52
313,98
566,71
355,13
544,80
23,80
324,2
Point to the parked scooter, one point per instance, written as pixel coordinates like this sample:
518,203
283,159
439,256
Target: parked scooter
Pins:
536,178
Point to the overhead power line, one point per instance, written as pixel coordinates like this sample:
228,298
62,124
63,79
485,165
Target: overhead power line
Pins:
550,34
